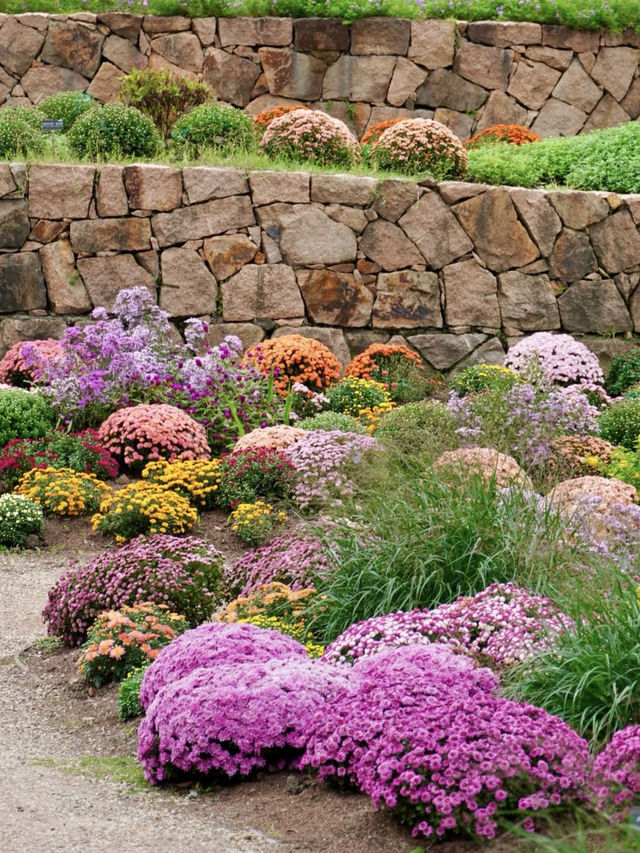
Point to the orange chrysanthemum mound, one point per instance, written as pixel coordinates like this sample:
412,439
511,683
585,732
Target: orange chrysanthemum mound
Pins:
376,130
374,360
485,461
293,358
416,145
514,134
262,121
272,438
578,455
305,134
610,491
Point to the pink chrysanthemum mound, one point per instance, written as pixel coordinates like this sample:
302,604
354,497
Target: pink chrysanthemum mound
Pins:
143,433
271,438
311,135
558,359
234,719
616,773
501,625
421,145
435,745
577,455
25,361
485,461
569,493
214,645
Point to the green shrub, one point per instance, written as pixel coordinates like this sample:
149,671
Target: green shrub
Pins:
128,694
425,429
217,126
19,136
163,96
66,105
23,415
620,423
113,130
483,377
30,115
19,517
332,421
624,372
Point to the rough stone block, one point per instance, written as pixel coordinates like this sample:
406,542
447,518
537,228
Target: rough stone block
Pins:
231,77
320,34
19,45
188,288
443,351
593,306
616,242
504,33
106,276
527,302
14,223
267,291
121,235
21,283
488,67
65,289
445,89
374,36
111,198
292,74
335,299
74,46
202,220
407,299
388,246
269,187
228,254
60,191
532,83
432,43
572,257
434,229
343,189
203,183
471,295
314,238
151,187
274,32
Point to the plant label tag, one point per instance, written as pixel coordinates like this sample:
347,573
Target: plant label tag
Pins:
52,124
634,817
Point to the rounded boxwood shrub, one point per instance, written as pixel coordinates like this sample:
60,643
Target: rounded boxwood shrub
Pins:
19,517
421,145
23,415
620,423
18,135
332,421
624,372
219,126
311,135
113,130
66,105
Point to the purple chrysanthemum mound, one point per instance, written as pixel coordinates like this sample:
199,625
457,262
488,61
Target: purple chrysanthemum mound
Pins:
182,572
501,625
234,719
215,645
616,773
442,751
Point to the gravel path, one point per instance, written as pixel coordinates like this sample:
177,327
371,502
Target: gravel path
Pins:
44,809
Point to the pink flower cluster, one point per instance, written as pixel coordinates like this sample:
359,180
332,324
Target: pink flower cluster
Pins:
421,145
142,433
310,135
557,359
616,773
500,626
25,361
439,748
214,645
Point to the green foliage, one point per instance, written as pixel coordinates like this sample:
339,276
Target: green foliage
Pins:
128,694
351,395
66,105
591,678
607,159
415,541
214,126
331,421
23,415
624,465
482,377
19,517
424,430
624,372
162,96
19,135
113,130
620,423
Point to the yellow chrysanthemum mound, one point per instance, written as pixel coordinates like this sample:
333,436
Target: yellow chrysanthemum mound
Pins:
144,508
195,479
63,491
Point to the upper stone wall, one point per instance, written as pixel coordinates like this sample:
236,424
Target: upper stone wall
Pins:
557,81
454,269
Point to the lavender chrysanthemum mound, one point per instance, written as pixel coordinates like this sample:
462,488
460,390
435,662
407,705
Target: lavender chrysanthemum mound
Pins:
502,624
212,646
235,718
559,359
616,773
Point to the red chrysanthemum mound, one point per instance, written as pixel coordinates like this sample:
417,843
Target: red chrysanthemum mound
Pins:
294,358
421,145
25,361
311,135
513,134
262,121
143,433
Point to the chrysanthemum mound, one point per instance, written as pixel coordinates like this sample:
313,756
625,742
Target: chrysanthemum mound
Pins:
616,773
212,646
484,461
271,438
609,491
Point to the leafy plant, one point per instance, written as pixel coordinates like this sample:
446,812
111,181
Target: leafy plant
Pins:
214,126
19,517
624,372
620,423
113,130
129,692
162,96
23,415
67,106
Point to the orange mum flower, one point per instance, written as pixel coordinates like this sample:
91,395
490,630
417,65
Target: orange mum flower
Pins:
293,358
368,362
514,134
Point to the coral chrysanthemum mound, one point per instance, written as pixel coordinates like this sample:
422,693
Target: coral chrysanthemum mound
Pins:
294,358
24,361
485,461
607,492
311,135
421,145
513,134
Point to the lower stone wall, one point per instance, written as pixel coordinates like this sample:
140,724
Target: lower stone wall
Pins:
457,270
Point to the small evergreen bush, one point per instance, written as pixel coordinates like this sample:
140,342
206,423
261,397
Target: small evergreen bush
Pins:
23,415
18,136
218,126
113,130
620,423
67,106
624,372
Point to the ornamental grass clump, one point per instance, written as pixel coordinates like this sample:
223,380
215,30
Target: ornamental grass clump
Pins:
616,773
25,361
352,395
498,627
147,432
311,135
19,517
213,646
294,358
225,723
197,480
557,360
256,522
185,574
144,508
23,415
421,145
120,641
294,559
63,491
251,474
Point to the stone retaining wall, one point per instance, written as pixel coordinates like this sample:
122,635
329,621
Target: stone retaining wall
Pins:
455,269
555,80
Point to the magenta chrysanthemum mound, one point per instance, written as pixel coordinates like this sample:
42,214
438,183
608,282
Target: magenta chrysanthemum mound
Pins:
143,433
270,438
501,625
421,145
183,573
442,751
212,646
234,719
485,461
558,359
616,773
311,135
